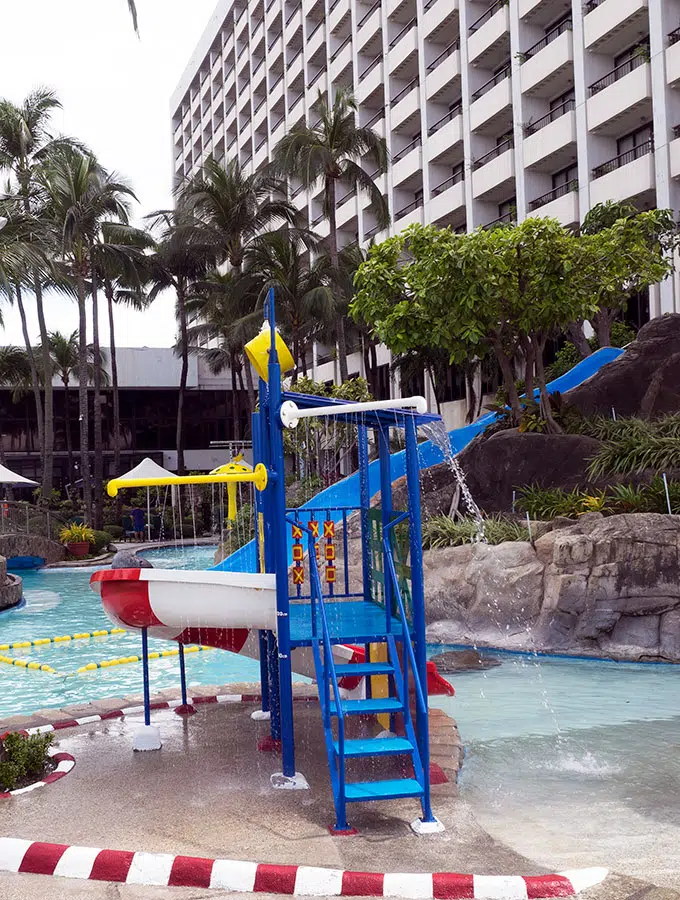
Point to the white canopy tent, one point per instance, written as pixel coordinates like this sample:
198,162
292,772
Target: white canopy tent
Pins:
7,476
147,469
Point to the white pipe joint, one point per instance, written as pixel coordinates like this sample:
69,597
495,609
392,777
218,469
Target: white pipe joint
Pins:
291,413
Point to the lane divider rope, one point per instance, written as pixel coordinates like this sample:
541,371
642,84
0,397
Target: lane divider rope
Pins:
63,638
125,660
169,870
27,664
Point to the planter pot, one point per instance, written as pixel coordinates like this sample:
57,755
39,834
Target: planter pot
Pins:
79,549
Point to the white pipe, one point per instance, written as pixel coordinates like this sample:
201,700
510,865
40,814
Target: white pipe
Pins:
291,413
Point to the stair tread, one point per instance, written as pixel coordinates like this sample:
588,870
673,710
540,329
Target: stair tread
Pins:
367,706
376,668
382,790
376,746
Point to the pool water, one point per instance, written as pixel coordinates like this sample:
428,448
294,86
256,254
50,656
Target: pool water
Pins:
575,762
59,602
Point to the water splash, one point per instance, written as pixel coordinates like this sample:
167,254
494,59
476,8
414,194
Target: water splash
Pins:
437,433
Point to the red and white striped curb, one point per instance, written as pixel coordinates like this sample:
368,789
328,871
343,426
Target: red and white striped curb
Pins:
135,710
166,870
65,762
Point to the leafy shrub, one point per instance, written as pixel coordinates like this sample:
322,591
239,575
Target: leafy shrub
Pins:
75,533
23,757
442,531
635,445
116,532
101,541
548,503
299,492
568,356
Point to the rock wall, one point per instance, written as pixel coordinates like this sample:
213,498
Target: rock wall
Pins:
601,586
12,545
10,587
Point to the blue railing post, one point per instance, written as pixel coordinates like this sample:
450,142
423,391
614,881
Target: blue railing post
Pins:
418,601
145,675
183,675
362,440
386,509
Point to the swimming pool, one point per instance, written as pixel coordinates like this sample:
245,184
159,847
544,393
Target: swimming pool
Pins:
60,602
575,762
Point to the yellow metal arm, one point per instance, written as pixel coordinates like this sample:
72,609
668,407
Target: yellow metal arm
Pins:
258,477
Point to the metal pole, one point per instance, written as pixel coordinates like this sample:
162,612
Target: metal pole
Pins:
145,671
148,515
362,440
277,515
386,508
183,675
418,601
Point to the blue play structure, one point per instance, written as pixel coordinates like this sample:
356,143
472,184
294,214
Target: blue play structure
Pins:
386,608
346,493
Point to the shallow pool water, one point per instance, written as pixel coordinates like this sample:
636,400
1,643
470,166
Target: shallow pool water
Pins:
575,762
60,602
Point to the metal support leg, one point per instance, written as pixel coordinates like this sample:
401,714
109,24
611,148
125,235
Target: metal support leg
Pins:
147,736
186,709
264,713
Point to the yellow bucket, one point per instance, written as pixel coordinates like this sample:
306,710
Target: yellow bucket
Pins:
258,352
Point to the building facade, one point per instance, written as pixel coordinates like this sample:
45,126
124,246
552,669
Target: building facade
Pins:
492,112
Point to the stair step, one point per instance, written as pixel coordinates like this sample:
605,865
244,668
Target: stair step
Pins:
361,669
382,790
377,746
367,706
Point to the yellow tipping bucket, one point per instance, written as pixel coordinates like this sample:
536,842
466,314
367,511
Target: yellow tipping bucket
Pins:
236,465
258,352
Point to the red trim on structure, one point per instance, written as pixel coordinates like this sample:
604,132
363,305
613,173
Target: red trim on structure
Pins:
539,887
42,858
112,865
449,886
127,600
275,879
231,639
191,871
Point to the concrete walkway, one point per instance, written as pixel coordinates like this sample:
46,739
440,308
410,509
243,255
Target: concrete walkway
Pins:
207,793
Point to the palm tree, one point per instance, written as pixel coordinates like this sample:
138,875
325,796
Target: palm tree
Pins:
332,151
64,353
26,143
282,260
124,272
81,195
234,208
15,373
133,12
182,257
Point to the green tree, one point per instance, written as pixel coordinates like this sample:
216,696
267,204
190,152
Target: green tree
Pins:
15,373
333,152
81,196
637,250
133,12
26,145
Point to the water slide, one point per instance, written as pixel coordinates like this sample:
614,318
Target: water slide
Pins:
346,492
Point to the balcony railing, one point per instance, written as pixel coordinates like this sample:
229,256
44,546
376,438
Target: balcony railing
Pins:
367,15
314,30
624,158
506,219
261,144
676,131
556,113
369,68
448,117
619,72
342,46
592,4
376,118
488,14
492,82
449,182
416,142
418,202
409,25
315,78
497,151
446,52
552,35
346,197
405,90
674,36
555,194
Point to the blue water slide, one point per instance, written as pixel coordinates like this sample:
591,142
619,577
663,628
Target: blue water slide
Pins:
346,492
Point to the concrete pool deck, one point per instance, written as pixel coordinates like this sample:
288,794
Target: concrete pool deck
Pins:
207,794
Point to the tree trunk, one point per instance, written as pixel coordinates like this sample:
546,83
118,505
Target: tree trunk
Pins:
114,384
67,426
333,240
236,398
508,379
579,340
82,399
250,385
181,308
470,370
35,378
529,363
603,321
374,368
546,408
98,430
651,394
48,433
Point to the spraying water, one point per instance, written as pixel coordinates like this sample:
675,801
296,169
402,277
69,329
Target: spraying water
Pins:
437,433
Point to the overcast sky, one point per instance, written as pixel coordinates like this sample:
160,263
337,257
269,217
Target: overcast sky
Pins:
115,90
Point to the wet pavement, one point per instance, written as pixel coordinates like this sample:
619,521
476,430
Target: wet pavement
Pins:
207,793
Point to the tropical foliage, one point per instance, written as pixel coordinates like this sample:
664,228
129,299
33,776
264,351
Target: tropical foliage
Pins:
546,504
443,531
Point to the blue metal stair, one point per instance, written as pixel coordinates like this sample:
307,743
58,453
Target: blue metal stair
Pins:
377,746
367,707
383,790
363,669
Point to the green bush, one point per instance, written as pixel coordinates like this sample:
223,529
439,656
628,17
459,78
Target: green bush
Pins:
23,757
635,445
442,531
116,531
546,504
101,541
299,492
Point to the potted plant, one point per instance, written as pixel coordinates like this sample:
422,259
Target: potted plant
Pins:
77,538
